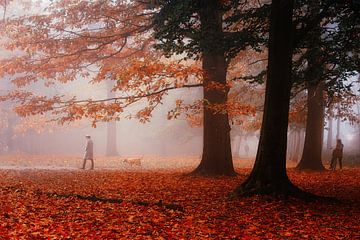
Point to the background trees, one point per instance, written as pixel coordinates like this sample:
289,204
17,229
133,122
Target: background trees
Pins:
328,59
201,30
269,172
113,41
59,49
331,59
74,41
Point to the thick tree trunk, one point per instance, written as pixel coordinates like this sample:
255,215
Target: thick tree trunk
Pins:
311,157
312,153
216,156
269,175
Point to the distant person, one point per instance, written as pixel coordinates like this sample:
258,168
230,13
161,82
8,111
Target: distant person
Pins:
89,152
337,154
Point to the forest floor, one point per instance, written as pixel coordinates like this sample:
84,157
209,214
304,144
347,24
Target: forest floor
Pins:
130,202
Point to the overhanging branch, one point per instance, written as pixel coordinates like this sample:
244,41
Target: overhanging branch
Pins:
136,96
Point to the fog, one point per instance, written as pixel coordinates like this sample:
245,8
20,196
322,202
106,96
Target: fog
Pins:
155,141
158,139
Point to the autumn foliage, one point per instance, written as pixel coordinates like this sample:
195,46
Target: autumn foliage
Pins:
107,204
103,41
97,41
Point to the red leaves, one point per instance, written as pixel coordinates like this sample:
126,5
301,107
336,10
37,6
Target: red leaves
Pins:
29,210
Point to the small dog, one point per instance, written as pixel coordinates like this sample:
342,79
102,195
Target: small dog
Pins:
133,161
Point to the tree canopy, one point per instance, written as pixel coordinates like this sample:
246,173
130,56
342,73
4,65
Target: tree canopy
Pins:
147,48
93,40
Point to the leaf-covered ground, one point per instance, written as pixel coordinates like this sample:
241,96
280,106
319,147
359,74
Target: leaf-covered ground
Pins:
166,204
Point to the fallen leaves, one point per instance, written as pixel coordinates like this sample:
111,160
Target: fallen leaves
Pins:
104,204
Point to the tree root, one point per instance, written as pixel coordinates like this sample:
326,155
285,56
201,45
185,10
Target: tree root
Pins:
284,191
199,171
314,168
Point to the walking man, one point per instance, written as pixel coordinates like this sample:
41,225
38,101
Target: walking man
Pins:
89,153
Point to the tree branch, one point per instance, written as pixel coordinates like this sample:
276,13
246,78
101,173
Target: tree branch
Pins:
136,96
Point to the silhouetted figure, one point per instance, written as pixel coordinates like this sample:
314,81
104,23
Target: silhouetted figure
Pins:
89,153
337,154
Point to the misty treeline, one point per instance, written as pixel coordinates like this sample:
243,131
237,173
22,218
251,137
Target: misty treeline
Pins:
306,53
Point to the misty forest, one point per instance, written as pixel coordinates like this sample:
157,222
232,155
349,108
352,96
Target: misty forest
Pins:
179,119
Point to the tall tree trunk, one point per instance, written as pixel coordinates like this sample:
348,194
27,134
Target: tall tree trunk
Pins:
338,128
302,141
329,140
290,145
9,133
236,145
216,157
358,113
297,145
312,152
294,146
268,175
311,157
111,141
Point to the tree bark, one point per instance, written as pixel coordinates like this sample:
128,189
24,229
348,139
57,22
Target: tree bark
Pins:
268,175
312,153
216,156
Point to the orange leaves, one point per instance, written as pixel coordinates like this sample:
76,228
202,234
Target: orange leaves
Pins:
94,40
149,73
108,204
30,103
215,86
97,111
193,111
243,99
240,112
100,41
144,114
73,36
